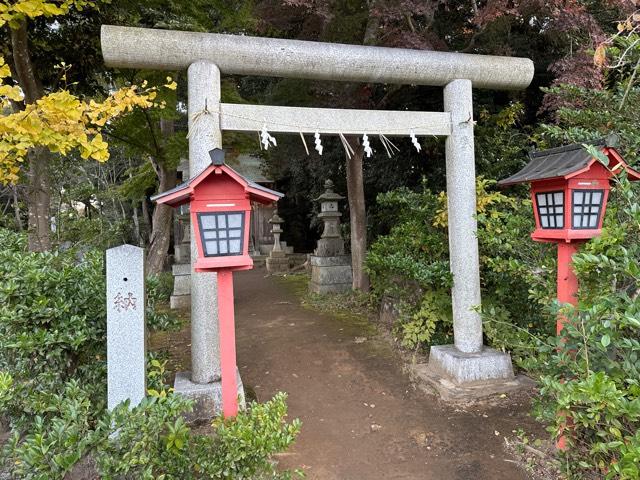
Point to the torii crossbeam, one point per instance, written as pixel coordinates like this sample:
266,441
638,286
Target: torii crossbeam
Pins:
206,56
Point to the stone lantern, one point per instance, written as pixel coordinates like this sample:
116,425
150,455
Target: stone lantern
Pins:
330,267
277,261
331,242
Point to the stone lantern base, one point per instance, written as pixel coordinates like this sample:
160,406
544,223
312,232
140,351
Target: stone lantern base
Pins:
331,274
277,262
181,295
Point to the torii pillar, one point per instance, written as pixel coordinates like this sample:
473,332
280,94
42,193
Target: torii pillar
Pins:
205,55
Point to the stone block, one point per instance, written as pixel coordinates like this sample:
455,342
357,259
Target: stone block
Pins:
207,397
277,264
330,274
181,285
429,382
340,260
461,367
180,302
330,247
181,269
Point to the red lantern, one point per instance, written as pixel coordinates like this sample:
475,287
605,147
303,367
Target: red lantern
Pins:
569,190
220,199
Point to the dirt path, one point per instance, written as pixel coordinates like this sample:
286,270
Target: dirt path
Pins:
361,418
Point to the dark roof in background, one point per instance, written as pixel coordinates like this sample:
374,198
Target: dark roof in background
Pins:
250,167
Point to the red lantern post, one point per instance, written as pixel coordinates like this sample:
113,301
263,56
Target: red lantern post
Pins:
220,204
569,190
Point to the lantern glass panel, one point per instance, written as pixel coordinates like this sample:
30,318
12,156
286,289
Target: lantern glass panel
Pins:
219,237
235,220
550,209
586,209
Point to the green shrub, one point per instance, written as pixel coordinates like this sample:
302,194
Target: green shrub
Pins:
153,441
159,316
516,273
53,386
56,442
52,325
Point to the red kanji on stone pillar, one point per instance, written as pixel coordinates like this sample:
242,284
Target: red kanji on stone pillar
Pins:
219,201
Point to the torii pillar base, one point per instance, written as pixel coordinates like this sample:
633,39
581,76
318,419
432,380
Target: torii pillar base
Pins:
207,397
459,377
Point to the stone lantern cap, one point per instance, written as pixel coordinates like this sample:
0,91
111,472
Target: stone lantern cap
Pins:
276,219
329,195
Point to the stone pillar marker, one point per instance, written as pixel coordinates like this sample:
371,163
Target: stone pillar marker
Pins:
126,333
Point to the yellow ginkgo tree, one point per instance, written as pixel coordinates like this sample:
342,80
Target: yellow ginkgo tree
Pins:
60,122
35,123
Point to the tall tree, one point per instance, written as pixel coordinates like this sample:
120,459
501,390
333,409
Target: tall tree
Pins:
45,121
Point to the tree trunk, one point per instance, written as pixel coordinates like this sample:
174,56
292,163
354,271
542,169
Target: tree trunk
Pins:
357,215
161,222
355,181
38,193
146,220
162,219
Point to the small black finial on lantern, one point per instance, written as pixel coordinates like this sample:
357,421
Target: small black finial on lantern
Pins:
217,156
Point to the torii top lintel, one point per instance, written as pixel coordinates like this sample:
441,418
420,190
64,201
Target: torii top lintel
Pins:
130,47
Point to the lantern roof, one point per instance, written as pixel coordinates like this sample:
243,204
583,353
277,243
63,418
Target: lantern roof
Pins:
182,193
567,162
329,195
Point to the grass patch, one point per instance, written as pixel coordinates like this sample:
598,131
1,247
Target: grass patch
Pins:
353,308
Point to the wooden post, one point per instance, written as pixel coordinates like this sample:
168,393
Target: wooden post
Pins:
567,280
227,343
567,293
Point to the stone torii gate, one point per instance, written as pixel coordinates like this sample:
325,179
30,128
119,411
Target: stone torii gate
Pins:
206,56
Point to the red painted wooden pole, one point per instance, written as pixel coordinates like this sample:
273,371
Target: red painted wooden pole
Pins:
227,343
567,293
567,280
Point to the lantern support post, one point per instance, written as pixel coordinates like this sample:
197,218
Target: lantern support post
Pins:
227,343
204,95
567,293
567,280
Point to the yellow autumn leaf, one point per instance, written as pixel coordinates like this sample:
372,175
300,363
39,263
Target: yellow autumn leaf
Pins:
171,84
600,55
